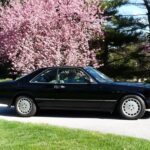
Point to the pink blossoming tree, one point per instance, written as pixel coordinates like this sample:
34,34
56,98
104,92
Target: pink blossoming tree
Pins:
41,33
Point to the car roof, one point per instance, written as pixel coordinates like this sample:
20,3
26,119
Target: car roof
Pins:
65,67
34,73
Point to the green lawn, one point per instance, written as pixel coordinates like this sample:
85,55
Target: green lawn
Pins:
8,79
20,136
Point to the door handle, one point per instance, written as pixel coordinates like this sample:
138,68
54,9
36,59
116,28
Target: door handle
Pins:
56,87
62,87
59,87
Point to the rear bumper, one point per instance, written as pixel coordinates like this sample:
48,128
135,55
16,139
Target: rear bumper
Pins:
5,101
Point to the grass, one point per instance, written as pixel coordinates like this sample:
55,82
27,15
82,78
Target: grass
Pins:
7,79
21,136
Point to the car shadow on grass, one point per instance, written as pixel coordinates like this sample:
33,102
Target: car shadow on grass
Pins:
10,112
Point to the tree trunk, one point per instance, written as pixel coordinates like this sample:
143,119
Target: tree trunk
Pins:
105,54
147,5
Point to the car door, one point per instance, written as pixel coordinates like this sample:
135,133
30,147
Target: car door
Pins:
74,89
77,90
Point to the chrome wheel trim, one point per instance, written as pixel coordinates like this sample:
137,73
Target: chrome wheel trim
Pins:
24,105
131,107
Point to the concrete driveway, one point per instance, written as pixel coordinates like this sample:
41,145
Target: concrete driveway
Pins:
95,121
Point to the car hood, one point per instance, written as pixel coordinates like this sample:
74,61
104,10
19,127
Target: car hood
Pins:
132,84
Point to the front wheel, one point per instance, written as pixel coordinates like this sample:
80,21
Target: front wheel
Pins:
132,107
25,106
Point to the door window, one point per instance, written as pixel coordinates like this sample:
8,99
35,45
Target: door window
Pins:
48,76
72,76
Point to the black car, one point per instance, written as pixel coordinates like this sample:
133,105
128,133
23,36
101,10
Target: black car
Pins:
74,88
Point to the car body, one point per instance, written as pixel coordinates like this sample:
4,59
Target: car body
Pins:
75,88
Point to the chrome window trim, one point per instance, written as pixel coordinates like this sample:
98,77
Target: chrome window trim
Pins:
31,81
95,82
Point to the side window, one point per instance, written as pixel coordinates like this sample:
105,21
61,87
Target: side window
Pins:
48,76
72,76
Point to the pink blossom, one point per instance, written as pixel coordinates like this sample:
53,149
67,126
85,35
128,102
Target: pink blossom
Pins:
41,33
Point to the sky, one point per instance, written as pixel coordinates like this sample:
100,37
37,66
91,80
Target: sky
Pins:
135,10
130,9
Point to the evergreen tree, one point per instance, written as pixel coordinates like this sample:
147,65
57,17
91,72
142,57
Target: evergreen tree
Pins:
121,54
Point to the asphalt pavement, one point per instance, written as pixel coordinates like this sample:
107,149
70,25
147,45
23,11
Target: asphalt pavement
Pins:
95,121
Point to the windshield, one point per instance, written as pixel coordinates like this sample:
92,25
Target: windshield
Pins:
98,75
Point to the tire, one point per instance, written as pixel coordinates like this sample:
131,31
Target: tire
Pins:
25,106
132,107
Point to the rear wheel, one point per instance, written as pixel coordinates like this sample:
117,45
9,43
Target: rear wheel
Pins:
132,107
25,106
